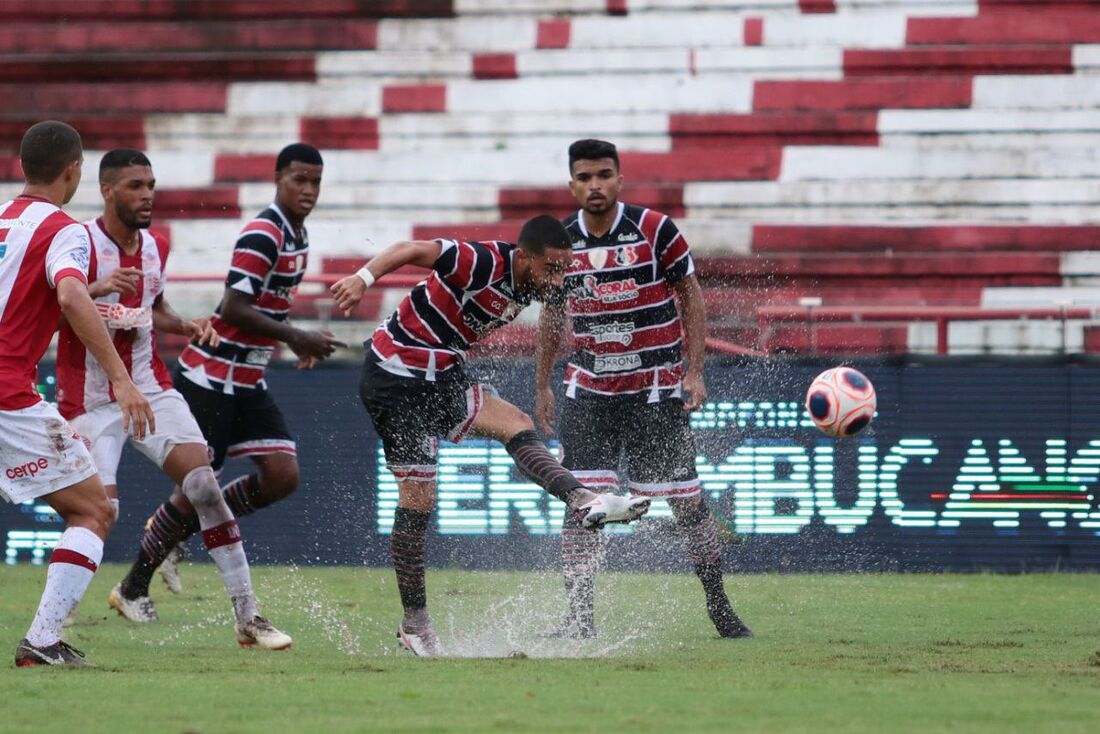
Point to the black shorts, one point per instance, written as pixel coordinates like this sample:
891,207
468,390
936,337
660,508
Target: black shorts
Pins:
652,441
411,415
248,423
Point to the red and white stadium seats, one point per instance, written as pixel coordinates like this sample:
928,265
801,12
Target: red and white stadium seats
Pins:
902,152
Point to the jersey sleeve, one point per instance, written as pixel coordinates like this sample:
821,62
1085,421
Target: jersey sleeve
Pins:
254,257
673,254
469,266
69,255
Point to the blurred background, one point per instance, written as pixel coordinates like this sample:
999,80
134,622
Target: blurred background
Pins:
910,184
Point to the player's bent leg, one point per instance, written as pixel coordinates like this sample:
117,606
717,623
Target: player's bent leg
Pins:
506,423
89,518
416,500
222,539
699,532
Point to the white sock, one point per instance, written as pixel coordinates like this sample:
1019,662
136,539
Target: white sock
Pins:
71,568
222,539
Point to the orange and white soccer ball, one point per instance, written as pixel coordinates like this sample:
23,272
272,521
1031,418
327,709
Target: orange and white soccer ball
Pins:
841,402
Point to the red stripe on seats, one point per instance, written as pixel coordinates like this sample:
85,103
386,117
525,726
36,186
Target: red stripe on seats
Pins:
754,31
862,94
236,168
414,98
937,61
495,66
346,133
817,6
219,202
1037,25
553,34
1051,238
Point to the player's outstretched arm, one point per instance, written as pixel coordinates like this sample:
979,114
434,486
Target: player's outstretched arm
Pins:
166,320
80,311
694,314
310,346
349,291
552,325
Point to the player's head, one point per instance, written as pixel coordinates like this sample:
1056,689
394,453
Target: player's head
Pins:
545,254
298,179
51,152
594,175
127,184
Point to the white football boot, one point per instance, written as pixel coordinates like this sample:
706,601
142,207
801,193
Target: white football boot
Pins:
259,632
140,609
170,570
606,509
423,643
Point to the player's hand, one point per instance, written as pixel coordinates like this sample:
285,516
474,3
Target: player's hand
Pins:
202,331
137,414
696,391
348,292
315,344
544,410
307,363
122,281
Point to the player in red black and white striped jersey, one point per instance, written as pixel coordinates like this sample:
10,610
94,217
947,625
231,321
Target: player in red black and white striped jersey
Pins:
224,383
627,394
44,257
128,264
417,392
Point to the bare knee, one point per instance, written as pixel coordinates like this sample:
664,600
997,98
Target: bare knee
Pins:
418,496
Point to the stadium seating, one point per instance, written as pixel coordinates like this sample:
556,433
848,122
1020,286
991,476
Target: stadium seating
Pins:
910,152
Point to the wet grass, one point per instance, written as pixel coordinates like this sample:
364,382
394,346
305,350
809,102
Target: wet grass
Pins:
858,653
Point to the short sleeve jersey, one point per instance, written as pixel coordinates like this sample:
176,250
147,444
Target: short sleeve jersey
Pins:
470,292
268,263
40,245
626,328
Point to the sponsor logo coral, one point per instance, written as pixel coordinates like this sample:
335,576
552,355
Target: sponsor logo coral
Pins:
28,470
615,291
618,362
621,332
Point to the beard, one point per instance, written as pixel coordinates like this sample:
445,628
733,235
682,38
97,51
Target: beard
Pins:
133,220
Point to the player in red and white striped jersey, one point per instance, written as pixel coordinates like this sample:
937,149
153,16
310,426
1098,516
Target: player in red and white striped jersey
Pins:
224,384
417,392
128,267
625,382
43,275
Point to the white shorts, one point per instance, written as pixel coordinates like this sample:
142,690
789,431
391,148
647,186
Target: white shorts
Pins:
102,427
39,453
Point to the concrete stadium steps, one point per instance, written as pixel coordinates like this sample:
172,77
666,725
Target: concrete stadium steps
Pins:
71,99
1038,24
151,67
959,60
958,238
17,11
1052,200
998,129
774,129
97,132
88,37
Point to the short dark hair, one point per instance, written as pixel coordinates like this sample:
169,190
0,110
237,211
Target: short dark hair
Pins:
118,158
591,149
541,232
47,149
298,152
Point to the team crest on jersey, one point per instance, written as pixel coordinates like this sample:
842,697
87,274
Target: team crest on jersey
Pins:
626,256
597,258
615,291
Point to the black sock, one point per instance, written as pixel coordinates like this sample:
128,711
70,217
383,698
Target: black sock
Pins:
243,495
166,529
536,463
410,529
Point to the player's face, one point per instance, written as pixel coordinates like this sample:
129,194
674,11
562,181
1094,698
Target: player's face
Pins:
547,271
596,184
130,193
297,188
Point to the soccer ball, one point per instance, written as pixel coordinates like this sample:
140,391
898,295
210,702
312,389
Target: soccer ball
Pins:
841,402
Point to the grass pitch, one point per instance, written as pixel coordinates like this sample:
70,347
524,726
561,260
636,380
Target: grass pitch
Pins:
851,653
